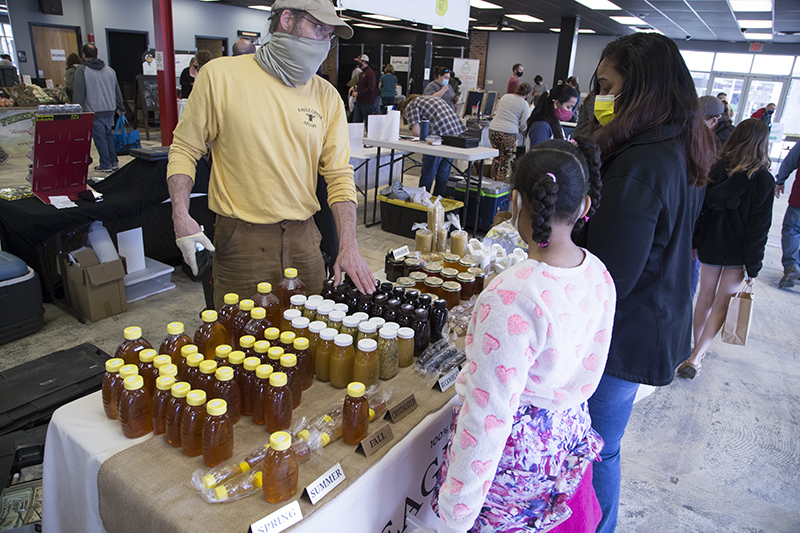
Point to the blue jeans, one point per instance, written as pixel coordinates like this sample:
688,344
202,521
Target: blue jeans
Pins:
386,101
103,136
437,167
362,111
790,238
610,408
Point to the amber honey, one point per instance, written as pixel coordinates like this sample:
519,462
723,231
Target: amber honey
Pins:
186,351
257,324
124,372
174,341
109,385
221,354
217,443
279,472
226,388
192,420
259,394
134,408
367,364
355,414
261,350
205,379
265,298
175,406
239,321
293,378
158,406
278,403
228,310
210,334
305,364
247,344
248,382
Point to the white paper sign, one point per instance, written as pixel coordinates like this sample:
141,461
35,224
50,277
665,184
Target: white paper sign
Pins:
131,246
447,381
159,60
58,55
400,63
281,519
466,70
451,14
325,483
26,79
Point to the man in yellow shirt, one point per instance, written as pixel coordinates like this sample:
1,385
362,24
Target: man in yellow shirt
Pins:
273,126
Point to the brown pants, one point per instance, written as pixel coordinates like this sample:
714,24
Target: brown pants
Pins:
248,254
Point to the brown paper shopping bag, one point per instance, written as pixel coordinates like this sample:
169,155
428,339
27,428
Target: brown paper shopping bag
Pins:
740,315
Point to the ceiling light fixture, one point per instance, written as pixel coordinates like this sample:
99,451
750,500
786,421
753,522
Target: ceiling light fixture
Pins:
628,21
757,36
645,30
261,8
473,20
485,28
586,30
753,6
382,17
753,24
600,5
506,29
482,4
555,30
368,26
524,18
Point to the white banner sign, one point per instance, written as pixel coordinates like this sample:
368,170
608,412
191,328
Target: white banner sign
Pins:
58,55
450,14
15,126
400,63
466,70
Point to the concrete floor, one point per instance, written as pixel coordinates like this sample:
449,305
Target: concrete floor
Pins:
720,453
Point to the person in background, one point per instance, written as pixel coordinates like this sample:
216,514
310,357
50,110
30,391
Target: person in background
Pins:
188,76
97,90
521,438
728,109
443,121
731,233
656,154
509,122
365,91
713,111
203,57
790,231
539,88
440,86
724,127
5,60
243,47
764,114
585,116
513,82
275,129
388,87
553,107
572,81
73,62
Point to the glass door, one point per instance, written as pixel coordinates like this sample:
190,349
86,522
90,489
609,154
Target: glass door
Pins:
760,93
733,86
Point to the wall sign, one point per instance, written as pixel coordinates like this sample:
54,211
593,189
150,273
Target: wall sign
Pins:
466,70
451,14
400,63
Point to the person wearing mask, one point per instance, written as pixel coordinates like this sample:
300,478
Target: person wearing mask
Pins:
539,88
388,87
510,120
440,86
724,127
513,81
268,157
243,47
731,232
365,91
764,114
97,90
656,154
73,62
188,76
713,111
553,108
790,231
443,121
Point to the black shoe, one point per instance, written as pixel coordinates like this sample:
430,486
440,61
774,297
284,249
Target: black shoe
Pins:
789,277
104,170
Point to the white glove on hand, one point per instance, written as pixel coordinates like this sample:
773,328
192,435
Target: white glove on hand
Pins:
188,247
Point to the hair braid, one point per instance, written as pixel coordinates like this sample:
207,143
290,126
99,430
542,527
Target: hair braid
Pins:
543,206
591,152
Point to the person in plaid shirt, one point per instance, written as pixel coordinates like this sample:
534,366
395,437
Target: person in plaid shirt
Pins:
444,121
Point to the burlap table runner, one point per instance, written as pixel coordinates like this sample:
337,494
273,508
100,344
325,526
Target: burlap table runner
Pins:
147,487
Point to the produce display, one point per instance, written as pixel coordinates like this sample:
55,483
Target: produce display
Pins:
31,94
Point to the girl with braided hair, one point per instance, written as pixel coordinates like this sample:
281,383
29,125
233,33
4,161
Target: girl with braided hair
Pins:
521,438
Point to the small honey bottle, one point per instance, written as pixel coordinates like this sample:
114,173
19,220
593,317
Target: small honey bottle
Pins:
274,355
175,406
186,351
168,370
226,388
260,348
305,364
174,341
249,382
210,334
192,420
280,473
293,379
147,370
355,414
221,354
134,408
217,433
259,394
124,372
158,407
278,403
109,385
192,374
205,380
239,321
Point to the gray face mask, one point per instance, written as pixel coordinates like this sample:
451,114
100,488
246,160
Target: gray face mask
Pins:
291,59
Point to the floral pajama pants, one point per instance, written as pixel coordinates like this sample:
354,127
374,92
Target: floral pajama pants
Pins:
506,143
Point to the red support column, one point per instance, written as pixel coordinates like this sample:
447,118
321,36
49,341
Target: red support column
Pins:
167,89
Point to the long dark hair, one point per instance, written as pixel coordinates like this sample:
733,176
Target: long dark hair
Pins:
544,107
747,149
657,90
576,167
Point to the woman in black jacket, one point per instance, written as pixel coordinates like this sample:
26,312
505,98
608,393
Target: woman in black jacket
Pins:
656,151
731,233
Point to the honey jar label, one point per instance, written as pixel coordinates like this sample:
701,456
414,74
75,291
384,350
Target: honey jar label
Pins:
282,519
402,408
374,442
401,252
324,484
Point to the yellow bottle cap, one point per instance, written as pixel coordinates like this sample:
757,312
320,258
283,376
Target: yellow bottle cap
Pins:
217,407
264,288
258,313
304,435
356,389
231,298
168,370
325,439
300,343
275,353
196,397
128,370
188,349
224,374
327,419
195,359
263,371
208,367
371,414
165,382
132,333
287,337
180,389
209,316
289,360
258,479
147,355
261,346
247,341
272,334
133,382
236,357
251,363
161,360
244,466
277,379
114,364
175,328
290,272
247,305
280,440
221,493
209,481
223,351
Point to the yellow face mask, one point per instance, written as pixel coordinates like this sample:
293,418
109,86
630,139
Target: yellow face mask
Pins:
604,108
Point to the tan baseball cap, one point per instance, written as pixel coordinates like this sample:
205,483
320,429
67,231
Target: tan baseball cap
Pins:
322,10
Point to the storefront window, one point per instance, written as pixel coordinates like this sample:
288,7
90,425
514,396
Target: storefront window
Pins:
772,65
700,61
791,112
700,82
739,63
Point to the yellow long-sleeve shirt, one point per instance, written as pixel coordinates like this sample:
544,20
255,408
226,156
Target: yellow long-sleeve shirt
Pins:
268,142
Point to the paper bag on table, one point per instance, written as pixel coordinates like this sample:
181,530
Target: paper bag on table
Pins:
740,315
391,127
375,126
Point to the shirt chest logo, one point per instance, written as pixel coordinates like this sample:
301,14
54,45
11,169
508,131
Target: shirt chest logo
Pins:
310,117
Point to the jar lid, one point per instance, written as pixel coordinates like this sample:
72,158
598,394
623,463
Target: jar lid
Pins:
196,397
247,341
362,316
356,389
263,371
175,328
165,382
465,277
272,334
367,327
287,337
451,286
114,364
132,333
223,351
316,297
421,314
236,357
412,261
478,272
258,313
208,367
449,272
278,379
280,441
251,363
180,389
405,282
301,343
433,282
209,315
264,288
195,359
246,304
312,305
231,298
394,325
290,273
297,299
328,334
133,382
261,346
451,258
387,333
433,267
367,345
351,321
224,373
336,316
324,308
300,322
405,333
168,370
161,360
343,307
343,340
188,349
317,326
217,407
417,276
275,353
465,261
288,360
291,314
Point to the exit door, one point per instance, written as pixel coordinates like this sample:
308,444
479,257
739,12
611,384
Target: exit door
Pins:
52,45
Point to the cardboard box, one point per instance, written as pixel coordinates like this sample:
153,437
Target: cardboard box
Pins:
96,290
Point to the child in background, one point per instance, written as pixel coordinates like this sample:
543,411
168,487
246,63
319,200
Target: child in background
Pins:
536,348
